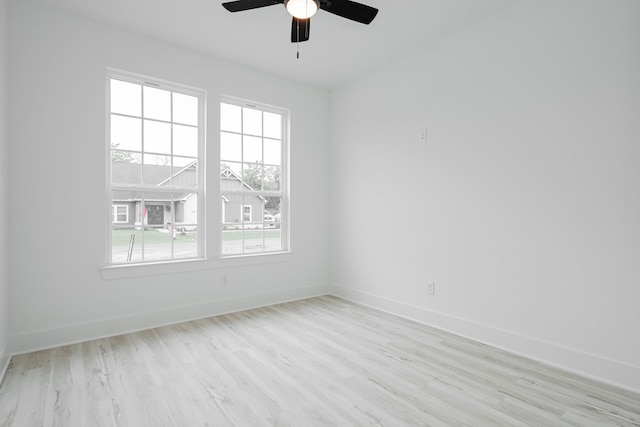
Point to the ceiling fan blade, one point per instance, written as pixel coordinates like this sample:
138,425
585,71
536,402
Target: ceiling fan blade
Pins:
349,9
240,5
300,30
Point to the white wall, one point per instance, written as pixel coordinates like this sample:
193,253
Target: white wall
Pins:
4,190
523,206
57,206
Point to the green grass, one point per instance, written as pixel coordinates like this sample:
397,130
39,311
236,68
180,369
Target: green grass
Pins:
151,236
250,234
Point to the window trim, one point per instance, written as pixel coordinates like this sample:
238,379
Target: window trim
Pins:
211,257
123,271
201,95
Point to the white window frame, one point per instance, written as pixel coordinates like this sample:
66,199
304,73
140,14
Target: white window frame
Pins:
115,214
209,237
243,213
200,94
283,192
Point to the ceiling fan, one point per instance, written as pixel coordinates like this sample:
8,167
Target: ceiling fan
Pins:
303,10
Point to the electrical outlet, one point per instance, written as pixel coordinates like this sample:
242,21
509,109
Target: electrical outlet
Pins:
224,280
431,288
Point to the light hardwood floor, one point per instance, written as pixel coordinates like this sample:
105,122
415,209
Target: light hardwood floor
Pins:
321,361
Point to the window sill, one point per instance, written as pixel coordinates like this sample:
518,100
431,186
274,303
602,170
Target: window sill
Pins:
179,266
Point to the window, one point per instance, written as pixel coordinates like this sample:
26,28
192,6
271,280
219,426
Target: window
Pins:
246,213
155,145
253,175
120,214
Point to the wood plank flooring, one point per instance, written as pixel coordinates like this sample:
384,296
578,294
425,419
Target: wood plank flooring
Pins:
316,362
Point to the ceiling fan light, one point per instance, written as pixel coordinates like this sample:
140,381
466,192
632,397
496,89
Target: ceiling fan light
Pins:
302,9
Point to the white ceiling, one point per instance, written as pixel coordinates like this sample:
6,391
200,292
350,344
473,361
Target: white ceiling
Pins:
338,49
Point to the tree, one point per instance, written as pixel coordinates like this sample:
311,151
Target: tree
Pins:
262,178
122,156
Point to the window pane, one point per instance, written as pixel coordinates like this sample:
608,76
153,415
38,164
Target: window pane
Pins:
158,243
157,137
272,207
272,125
185,243
181,162
231,241
159,209
185,211
271,181
273,239
185,220
231,211
272,221
185,109
230,147
251,224
272,217
230,118
125,156
252,121
252,176
230,174
185,140
272,151
126,98
252,149
161,226
156,169
157,159
253,241
185,172
125,167
126,133
126,244
157,104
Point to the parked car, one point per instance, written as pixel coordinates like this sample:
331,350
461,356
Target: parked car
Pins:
269,221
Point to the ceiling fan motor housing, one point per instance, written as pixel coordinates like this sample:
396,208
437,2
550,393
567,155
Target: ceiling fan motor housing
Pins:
302,9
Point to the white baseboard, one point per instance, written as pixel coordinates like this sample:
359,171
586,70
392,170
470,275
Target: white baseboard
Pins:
72,334
584,364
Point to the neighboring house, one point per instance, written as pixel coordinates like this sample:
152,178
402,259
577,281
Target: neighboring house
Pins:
235,210
128,210
160,208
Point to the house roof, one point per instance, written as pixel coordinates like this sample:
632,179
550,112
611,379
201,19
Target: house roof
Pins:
155,175
227,173
159,175
130,172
